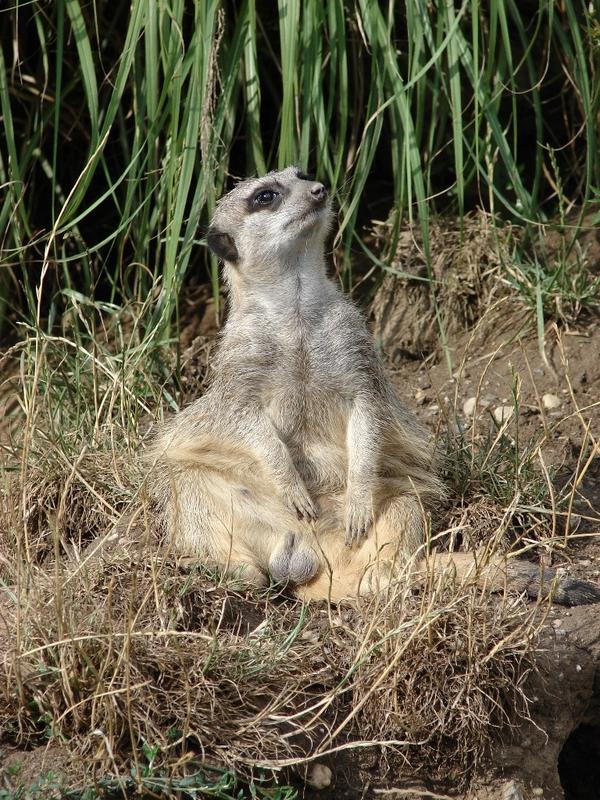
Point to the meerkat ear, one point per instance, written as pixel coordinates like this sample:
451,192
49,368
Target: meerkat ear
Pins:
222,245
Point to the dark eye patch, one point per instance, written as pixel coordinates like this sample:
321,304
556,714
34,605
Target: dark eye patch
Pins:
265,197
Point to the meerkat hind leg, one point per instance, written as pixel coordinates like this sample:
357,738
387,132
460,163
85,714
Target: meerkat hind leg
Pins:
391,553
397,534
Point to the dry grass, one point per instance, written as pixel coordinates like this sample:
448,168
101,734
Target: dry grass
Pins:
148,670
118,650
126,649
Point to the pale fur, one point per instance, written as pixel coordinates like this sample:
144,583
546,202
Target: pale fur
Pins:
299,463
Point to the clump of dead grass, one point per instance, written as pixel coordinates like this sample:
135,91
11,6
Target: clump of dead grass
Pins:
429,294
73,502
460,282
496,483
128,649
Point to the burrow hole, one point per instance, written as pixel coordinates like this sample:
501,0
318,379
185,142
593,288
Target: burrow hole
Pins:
579,764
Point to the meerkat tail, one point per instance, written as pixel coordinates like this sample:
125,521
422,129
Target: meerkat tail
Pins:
512,574
496,575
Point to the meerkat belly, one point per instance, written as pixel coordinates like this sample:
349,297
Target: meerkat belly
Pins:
322,465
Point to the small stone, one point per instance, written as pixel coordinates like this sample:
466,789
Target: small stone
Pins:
537,791
469,406
550,401
503,413
319,776
420,397
512,791
578,667
557,623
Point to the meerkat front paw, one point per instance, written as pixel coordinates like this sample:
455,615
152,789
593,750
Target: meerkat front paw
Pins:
299,500
359,519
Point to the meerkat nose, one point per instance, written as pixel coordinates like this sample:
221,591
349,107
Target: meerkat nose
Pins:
319,192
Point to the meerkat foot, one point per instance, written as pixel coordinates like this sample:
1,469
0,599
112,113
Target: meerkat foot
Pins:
294,561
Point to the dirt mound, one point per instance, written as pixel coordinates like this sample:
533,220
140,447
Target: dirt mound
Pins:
415,300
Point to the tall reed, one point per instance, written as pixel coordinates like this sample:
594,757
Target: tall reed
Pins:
124,121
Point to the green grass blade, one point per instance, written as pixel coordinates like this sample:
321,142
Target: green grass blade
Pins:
289,17
252,90
86,64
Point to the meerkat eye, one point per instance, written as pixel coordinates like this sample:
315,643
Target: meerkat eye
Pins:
265,197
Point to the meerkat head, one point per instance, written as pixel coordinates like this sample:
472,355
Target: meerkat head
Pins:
270,218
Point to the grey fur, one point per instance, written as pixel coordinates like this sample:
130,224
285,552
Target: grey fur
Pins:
300,442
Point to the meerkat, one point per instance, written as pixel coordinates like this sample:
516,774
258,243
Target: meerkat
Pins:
299,463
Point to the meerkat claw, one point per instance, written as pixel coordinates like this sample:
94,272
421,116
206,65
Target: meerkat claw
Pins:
357,527
302,504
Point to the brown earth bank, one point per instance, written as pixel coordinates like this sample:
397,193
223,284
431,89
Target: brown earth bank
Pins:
552,394
554,755
500,377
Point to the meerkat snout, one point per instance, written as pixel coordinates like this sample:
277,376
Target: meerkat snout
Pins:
319,193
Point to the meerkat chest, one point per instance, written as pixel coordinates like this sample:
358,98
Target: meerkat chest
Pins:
306,389
299,362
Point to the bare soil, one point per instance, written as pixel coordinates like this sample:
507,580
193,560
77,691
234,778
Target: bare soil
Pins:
499,364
